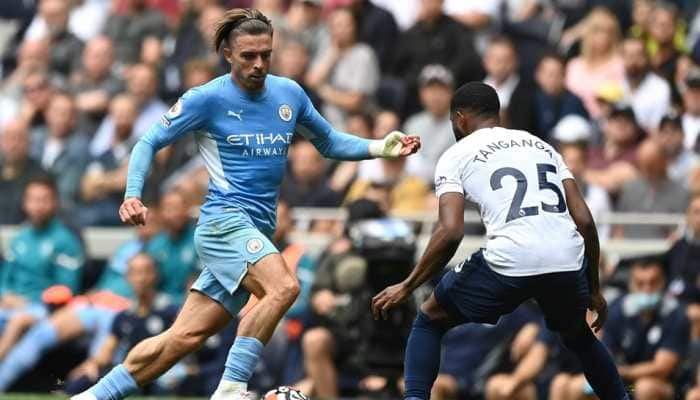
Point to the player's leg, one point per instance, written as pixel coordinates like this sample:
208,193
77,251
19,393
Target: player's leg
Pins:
445,387
15,328
273,284
199,318
500,387
63,325
559,386
652,389
319,346
564,299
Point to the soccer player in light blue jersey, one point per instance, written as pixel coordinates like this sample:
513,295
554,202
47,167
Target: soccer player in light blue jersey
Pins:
244,123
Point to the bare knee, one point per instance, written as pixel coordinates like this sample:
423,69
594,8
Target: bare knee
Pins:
285,291
693,394
445,387
559,387
651,389
317,342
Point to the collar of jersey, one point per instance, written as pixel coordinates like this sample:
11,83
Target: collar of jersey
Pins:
249,96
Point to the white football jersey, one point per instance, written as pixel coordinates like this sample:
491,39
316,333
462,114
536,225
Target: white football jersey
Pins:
516,180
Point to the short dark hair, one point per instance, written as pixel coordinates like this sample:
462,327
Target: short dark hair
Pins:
237,21
551,55
43,180
478,98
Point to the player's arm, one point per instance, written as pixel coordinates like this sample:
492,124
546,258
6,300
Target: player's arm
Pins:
586,227
441,248
343,146
186,115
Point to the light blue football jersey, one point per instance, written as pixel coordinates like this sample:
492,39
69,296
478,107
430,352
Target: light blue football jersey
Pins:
243,139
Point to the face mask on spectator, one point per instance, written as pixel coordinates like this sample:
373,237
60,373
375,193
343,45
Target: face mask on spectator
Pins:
642,301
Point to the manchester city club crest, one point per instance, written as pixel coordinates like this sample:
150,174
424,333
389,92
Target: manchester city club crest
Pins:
254,245
285,112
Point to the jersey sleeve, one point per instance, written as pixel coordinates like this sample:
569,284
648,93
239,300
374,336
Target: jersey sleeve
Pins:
186,115
563,169
448,176
328,141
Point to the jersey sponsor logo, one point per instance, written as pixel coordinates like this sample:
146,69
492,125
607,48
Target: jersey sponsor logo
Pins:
285,112
235,114
254,246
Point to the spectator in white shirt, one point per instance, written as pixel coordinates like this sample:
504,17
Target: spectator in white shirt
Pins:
691,105
647,93
682,162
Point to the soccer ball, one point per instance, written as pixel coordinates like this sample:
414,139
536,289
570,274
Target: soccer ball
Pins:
285,393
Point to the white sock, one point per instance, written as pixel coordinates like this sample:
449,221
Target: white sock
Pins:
229,387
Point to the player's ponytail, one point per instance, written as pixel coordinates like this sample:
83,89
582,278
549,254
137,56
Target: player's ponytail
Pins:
237,21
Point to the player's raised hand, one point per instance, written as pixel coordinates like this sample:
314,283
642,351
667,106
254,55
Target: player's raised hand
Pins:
409,145
600,306
388,299
133,212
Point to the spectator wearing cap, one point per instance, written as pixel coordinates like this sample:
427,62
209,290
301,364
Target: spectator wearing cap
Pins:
651,192
346,75
599,61
682,163
304,23
514,91
647,93
575,155
612,163
435,38
433,123
553,101
691,107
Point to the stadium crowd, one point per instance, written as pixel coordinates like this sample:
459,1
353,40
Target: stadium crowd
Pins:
613,84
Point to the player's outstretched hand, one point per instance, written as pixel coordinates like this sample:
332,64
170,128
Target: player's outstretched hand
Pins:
388,299
409,145
133,212
600,306
394,145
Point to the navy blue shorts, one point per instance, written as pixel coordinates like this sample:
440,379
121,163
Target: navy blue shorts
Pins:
473,292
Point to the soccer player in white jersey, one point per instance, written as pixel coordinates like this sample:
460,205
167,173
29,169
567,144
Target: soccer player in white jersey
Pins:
541,243
244,122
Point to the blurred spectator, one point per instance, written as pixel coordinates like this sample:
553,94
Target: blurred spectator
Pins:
691,107
61,149
131,26
514,92
65,48
150,316
44,253
173,249
647,333
95,83
346,74
86,20
102,186
306,184
432,124
552,100
683,259
641,19
36,94
647,93
142,85
304,23
494,361
651,192
599,62
346,172
612,163
482,17
573,129
16,170
662,31
89,316
434,39
33,56
682,163
575,157
376,27
398,190
292,61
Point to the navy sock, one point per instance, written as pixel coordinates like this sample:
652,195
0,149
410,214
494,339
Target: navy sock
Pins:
27,353
116,385
598,366
422,357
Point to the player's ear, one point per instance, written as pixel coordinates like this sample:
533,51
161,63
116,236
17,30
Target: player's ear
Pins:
228,54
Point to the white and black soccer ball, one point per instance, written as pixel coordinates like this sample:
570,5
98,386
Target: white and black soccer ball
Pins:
285,393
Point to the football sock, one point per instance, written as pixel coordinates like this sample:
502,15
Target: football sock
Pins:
242,358
422,357
116,385
598,366
27,353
